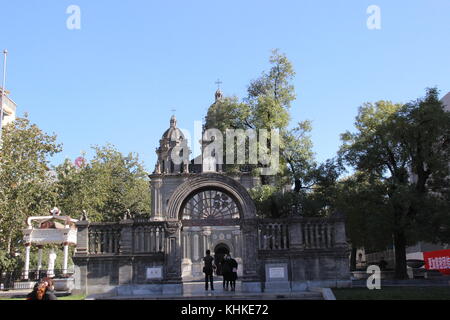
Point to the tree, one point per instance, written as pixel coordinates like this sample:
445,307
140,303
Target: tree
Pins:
80,188
405,148
228,113
26,180
363,200
266,106
296,151
106,186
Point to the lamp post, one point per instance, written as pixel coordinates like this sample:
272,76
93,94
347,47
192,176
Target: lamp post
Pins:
5,53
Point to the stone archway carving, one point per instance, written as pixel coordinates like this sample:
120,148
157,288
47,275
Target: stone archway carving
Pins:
207,181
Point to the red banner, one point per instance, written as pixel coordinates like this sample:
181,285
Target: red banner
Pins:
438,260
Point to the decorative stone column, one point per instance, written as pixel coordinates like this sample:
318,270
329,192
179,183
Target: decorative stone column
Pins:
80,258
340,238
82,248
251,280
172,278
186,262
66,257
206,239
27,261
39,267
126,248
296,235
51,263
155,186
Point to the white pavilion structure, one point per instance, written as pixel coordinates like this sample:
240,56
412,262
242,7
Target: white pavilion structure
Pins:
51,229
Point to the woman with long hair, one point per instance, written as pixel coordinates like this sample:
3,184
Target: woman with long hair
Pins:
43,290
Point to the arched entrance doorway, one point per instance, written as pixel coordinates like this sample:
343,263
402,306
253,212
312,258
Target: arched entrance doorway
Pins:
220,251
213,209
210,218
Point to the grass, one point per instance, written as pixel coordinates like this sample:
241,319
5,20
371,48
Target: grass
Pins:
393,293
73,297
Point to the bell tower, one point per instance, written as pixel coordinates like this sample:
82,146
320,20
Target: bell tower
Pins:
173,152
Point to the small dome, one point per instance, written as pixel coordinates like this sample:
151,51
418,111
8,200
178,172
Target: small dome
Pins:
173,133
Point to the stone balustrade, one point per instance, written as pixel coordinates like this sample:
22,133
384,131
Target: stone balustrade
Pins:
318,234
300,233
116,238
104,239
273,236
148,238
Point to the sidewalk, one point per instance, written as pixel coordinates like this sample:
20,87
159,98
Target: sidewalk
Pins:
196,291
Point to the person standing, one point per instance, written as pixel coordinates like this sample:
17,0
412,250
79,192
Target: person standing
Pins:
226,272
233,273
382,264
208,270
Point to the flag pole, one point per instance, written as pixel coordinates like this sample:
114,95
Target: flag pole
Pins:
5,53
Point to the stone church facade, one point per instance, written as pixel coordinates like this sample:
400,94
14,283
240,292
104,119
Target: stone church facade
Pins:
196,207
208,204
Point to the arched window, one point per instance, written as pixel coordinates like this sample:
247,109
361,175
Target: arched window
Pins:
210,204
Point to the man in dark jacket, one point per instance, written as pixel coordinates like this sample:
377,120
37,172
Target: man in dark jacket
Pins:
233,274
208,269
226,272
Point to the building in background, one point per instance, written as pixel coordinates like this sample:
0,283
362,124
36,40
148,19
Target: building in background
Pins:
9,108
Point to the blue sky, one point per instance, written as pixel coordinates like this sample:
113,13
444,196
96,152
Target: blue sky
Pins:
118,77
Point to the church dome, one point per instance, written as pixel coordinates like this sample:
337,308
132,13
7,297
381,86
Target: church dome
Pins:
171,139
173,133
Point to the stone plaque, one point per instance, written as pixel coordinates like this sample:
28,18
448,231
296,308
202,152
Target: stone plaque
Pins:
154,273
276,273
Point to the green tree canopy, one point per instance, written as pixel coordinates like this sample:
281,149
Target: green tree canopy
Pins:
26,186
404,148
105,187
267,105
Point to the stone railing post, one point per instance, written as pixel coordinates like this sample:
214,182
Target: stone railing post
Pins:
296,235
126,236
126,248
251,277
82,247
80,258
340,238
173,251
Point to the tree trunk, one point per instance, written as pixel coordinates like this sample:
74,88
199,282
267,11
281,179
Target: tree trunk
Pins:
353,259
400,255
297,185
8,246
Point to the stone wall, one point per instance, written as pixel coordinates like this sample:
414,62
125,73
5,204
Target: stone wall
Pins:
298,254
293,254
127,257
